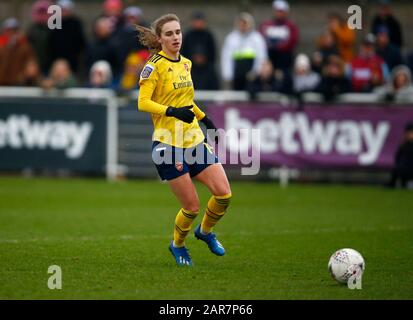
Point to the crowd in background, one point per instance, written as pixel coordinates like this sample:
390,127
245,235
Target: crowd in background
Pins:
254,57
60,58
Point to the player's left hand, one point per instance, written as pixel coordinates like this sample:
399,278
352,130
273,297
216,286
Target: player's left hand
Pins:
210,126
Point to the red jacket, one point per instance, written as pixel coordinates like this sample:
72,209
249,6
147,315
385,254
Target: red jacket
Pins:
280,35
365,71
15,52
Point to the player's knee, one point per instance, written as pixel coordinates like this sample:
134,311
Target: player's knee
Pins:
224,194
223,199
221,189
192,206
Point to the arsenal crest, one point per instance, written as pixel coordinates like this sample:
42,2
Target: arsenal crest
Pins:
179,166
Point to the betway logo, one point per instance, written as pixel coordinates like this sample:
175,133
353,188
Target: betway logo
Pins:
294,133
18,132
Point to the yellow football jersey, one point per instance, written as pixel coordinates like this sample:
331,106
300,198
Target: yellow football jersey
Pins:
165,82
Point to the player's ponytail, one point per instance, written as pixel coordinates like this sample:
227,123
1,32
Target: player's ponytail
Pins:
149,39
149,36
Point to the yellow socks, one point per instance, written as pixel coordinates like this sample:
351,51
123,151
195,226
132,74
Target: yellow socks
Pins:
183,223
216,208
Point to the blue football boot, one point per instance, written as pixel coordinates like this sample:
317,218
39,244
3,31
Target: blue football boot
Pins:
210,239
181,255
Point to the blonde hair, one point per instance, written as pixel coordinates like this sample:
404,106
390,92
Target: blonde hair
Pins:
248,18
149,36
103,67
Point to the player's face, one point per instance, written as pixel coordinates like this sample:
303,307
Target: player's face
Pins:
171,37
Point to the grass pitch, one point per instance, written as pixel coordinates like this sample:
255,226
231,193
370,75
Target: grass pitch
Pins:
111,239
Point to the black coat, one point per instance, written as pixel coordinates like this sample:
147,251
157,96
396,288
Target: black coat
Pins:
125,41
404,157
271,84
39,37
69,42
329,87
395,31
391,55
201,43
102,49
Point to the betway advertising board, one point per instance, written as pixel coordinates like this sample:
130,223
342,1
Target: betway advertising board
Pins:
52,135
318,136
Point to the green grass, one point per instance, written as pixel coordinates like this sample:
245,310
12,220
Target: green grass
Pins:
110,239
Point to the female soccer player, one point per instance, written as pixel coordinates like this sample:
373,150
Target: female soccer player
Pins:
179,151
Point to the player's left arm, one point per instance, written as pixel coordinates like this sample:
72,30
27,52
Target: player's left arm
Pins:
199,114
202,117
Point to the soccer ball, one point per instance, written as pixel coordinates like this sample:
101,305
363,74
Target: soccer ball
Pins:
345,263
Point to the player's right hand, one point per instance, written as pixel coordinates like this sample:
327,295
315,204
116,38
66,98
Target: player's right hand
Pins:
184,113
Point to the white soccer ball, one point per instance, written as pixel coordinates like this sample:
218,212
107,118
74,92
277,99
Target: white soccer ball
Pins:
345,263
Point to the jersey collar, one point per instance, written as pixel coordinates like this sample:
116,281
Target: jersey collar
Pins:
163,54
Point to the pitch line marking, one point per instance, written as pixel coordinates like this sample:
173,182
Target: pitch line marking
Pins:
241,234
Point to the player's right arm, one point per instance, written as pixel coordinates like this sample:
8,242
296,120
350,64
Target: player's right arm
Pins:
148,80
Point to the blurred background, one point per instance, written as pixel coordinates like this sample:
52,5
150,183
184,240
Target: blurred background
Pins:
333,104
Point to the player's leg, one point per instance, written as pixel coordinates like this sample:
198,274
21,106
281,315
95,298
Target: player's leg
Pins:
215,179
171,167
185,192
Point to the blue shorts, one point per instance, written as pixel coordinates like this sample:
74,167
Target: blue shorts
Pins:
172,162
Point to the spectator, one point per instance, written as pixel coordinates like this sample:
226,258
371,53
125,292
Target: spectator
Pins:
61,76
244,51
268,80
344,36
333,80
100,75
403,167
124,40
15,52
281,35
102,46
304,79
32,75
399,88
385,18
367,70
326,47
389,52
112,9
133,67
199,47
68,42
39,34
